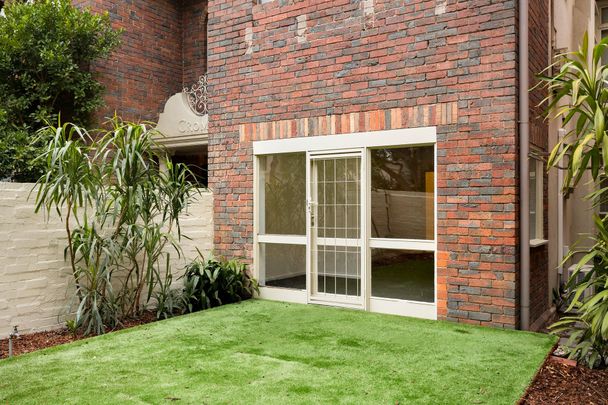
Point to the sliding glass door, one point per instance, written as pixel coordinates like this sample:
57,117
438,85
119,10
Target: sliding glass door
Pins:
348,220
336,243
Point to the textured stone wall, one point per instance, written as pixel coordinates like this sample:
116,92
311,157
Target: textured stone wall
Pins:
292,68
35,282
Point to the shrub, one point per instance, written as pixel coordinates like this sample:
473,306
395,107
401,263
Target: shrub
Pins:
121,213
578,95
214,282
588,326
46,49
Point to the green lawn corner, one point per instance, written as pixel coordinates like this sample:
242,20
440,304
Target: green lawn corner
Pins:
262,352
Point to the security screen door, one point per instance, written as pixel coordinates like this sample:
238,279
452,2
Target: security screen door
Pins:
336,271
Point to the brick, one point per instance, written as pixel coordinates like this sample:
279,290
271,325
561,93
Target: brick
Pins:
454,70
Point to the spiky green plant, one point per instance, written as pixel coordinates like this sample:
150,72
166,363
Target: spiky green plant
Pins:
578,94
121,199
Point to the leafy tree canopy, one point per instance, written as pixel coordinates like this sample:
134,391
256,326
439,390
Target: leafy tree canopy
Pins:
46,50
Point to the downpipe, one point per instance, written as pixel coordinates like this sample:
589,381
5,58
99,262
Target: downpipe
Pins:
524,167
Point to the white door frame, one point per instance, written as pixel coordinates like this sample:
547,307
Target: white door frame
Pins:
337,144
313,296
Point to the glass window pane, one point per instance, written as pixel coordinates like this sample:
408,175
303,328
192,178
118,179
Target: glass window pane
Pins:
338,195
283,201
403,274
533,179
283,265
604,34
605,15
339,270
403,193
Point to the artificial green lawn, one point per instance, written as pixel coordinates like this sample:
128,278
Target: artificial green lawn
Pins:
275,353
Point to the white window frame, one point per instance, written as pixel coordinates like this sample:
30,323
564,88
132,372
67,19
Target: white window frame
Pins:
364,141
539,238
599,27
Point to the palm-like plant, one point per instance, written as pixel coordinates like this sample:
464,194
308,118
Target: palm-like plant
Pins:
126,198
578,94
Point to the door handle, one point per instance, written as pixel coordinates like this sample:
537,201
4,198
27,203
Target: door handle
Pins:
311,211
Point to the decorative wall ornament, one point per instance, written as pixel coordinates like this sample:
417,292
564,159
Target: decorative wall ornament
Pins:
197,96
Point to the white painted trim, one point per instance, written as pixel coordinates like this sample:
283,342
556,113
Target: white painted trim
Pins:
404,308
436,225
336,146
346,242
336,300
283,294
342,153
311,259
282,239
538,242
540,198
313,240
393,138
256,219
403,244
283,276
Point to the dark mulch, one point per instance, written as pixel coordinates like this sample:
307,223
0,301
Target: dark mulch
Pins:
31,342
560,383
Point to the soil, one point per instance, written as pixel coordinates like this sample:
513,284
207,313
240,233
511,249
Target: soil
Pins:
560,383
31,342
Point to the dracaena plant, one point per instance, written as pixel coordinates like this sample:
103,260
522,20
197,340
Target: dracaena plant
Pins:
120,199
578,94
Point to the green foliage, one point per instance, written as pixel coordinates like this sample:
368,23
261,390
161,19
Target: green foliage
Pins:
72,326
46,49
17,154
578,95
588,327
214,282
121,214
268,352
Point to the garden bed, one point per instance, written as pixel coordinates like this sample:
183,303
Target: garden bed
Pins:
31,342
560,383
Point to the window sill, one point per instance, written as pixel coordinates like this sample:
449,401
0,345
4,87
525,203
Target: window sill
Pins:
538,242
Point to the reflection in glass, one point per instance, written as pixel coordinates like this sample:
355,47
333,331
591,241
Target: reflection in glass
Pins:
339,270
283,177
402,274
403,193
283,265
338,197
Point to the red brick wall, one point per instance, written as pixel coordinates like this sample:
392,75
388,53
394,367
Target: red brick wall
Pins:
163,48
194,20
539,60
407,57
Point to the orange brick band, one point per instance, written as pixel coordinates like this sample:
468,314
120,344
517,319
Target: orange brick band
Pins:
395,118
